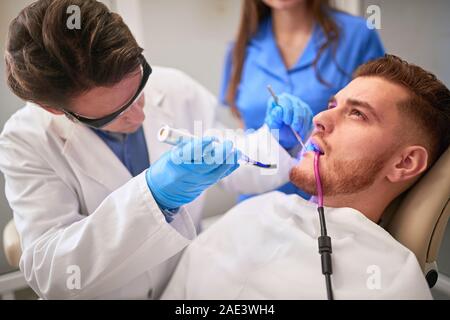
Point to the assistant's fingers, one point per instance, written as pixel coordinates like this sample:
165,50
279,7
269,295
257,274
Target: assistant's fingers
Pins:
276,118
286,105
298,118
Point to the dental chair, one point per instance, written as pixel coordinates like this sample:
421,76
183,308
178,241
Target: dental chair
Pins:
11,244
417,219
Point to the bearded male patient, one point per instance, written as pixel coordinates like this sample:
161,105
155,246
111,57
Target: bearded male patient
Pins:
379,135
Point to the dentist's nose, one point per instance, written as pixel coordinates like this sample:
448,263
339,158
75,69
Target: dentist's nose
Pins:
137,106
134,114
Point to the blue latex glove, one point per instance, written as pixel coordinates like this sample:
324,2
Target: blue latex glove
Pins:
290,112
184,172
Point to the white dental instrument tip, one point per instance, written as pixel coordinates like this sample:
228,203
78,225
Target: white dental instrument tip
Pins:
174,136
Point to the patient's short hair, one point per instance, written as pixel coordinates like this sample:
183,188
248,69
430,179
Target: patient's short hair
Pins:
428,107
48,62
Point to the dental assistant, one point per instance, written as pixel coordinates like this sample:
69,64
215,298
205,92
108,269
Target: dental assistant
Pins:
301,47
96,197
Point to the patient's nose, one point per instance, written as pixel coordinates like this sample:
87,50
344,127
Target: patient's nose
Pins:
322,123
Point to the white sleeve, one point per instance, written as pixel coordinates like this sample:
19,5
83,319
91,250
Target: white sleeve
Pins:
263,147
124,237
259,145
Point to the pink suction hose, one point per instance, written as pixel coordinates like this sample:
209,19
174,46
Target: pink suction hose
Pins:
318,181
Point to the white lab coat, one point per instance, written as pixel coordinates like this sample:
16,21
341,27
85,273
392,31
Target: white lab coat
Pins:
266,248
78,210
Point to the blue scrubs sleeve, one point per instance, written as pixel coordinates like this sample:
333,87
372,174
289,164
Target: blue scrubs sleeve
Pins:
226,74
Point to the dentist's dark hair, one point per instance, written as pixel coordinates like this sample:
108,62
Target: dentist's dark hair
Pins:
428,107
49,63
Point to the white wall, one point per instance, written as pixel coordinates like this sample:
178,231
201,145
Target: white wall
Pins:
190,35
418,31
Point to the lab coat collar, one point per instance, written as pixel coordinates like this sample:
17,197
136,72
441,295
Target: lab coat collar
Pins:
93,157
269,56
154,95
157,114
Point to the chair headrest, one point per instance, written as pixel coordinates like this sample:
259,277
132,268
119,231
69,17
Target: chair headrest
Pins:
418,218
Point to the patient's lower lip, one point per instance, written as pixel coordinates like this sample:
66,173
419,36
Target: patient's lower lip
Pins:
313,151
310,152
316,147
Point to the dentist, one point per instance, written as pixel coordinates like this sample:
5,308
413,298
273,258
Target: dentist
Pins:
95,196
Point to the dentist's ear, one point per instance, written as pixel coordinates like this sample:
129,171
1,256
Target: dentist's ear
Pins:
409,164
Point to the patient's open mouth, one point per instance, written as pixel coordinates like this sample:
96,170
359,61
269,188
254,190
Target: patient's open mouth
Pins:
315,147
311,146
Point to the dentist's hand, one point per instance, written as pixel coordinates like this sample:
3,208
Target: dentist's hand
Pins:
290,112
184,172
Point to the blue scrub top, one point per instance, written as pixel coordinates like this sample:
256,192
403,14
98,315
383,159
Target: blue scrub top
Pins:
264,65
130,148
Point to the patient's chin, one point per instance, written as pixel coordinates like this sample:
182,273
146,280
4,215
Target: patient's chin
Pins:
303,179
338,177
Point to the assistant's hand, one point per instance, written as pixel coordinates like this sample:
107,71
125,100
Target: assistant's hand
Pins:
290,112
184,172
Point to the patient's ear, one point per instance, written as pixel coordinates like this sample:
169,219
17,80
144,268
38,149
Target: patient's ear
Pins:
409,164
51,109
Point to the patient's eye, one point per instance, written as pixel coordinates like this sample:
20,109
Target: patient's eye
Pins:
357,113
331,105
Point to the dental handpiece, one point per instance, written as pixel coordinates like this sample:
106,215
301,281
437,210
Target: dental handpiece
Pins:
275,98
173,137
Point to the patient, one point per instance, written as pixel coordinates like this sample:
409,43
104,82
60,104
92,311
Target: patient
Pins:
378,136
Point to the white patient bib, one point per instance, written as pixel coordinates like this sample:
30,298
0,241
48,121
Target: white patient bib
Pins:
266,248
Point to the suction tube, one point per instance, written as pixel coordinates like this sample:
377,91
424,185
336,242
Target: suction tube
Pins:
324,240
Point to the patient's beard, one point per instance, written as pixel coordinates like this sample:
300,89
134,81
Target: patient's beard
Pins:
341,177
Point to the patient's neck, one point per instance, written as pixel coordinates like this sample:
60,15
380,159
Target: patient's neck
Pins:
371,202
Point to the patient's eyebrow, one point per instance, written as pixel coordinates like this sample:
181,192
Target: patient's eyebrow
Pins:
365,105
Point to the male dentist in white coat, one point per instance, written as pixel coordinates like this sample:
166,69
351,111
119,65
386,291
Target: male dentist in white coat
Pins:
76,157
